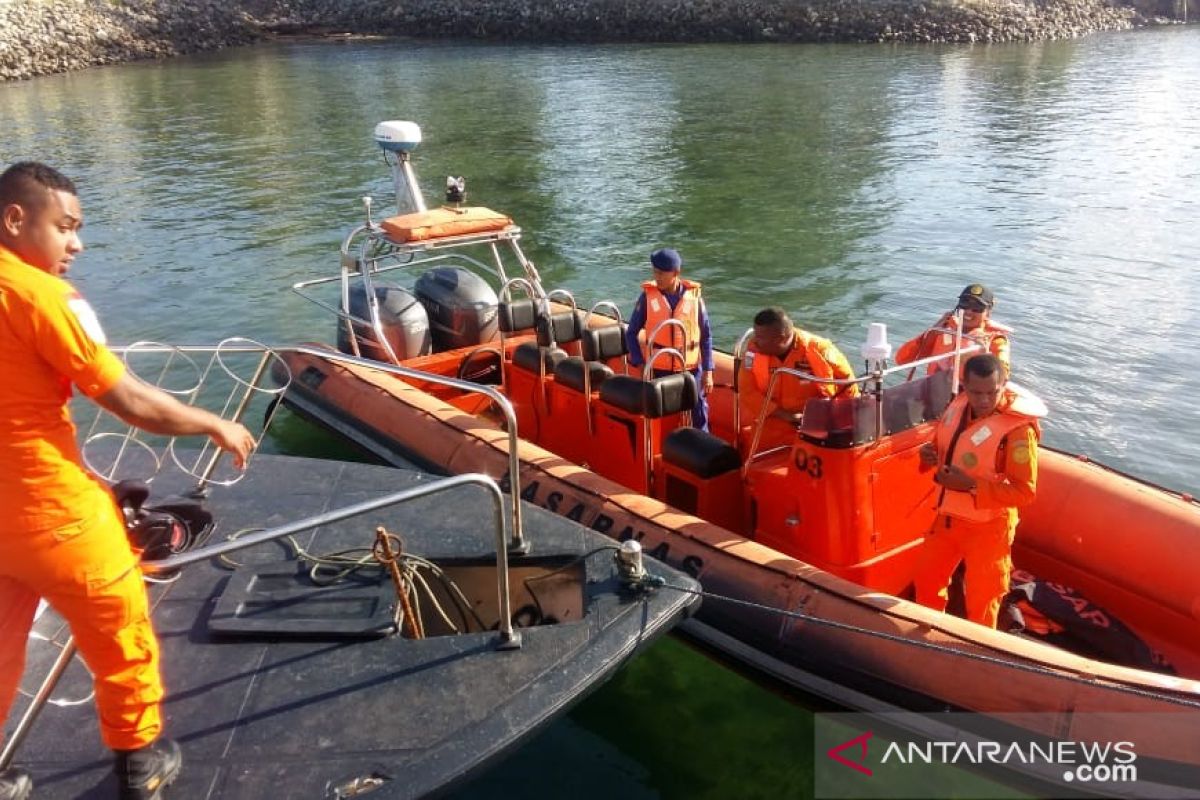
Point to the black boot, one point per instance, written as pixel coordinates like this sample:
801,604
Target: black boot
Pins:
143,773
15,784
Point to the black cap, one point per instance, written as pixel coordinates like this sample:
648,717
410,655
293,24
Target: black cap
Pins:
977,291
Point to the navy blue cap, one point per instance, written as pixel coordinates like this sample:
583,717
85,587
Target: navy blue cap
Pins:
666,260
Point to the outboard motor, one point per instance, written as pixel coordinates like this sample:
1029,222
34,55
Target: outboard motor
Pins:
461,307
403,320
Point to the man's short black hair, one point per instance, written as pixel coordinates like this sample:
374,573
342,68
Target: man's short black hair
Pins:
26,182
985,365
772,316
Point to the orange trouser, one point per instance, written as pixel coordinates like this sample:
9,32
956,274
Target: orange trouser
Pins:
986,549
89,575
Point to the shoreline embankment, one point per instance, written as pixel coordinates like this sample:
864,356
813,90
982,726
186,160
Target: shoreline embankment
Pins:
39,37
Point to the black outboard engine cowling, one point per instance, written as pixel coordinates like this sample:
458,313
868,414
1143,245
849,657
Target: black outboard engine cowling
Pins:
461,307
404,321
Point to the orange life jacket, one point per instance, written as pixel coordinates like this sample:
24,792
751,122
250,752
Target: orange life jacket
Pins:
977,449
988,336
687,311
811,354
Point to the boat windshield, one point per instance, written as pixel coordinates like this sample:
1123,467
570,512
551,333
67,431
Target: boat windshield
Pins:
851,421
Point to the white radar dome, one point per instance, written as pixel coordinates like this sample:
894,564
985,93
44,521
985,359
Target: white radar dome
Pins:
877,347
397,136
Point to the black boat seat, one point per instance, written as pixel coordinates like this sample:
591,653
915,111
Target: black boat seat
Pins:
527,382
601,344
560,328
569,372
517,315
527,355
570,408
701,475
659,397
633,416
699,453
571,435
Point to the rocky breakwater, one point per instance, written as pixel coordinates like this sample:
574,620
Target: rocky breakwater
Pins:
43,36
749,20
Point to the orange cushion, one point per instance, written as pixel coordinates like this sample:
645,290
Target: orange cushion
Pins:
438,223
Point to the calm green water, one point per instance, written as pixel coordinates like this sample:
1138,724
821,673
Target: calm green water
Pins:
846,183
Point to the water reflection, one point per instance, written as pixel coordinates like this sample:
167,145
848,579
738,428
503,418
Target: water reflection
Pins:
609,165
846,183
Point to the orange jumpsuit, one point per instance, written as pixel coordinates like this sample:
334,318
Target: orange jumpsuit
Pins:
812,354
62,537
993,336
1000,452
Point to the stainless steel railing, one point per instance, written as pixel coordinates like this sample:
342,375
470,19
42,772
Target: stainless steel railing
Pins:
518,541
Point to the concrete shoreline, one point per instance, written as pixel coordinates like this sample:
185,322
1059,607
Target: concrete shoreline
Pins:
39,37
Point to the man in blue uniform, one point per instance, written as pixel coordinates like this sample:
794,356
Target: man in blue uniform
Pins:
669,296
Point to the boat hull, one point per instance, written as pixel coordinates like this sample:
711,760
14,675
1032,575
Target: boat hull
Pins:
825,631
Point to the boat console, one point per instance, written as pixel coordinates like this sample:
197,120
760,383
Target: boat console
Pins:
848,495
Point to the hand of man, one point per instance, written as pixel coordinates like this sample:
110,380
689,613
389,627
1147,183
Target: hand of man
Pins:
233,438
707,379
928,454
948,320
954,479
154,411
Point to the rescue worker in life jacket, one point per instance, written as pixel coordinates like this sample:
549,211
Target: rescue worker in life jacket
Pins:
779,343
985,454
976,302
63,538
669,296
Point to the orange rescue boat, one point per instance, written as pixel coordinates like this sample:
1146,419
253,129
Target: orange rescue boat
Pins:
805,546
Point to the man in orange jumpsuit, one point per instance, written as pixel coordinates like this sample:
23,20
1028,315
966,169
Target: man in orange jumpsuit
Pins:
62,537
985,452
779,343
976,302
